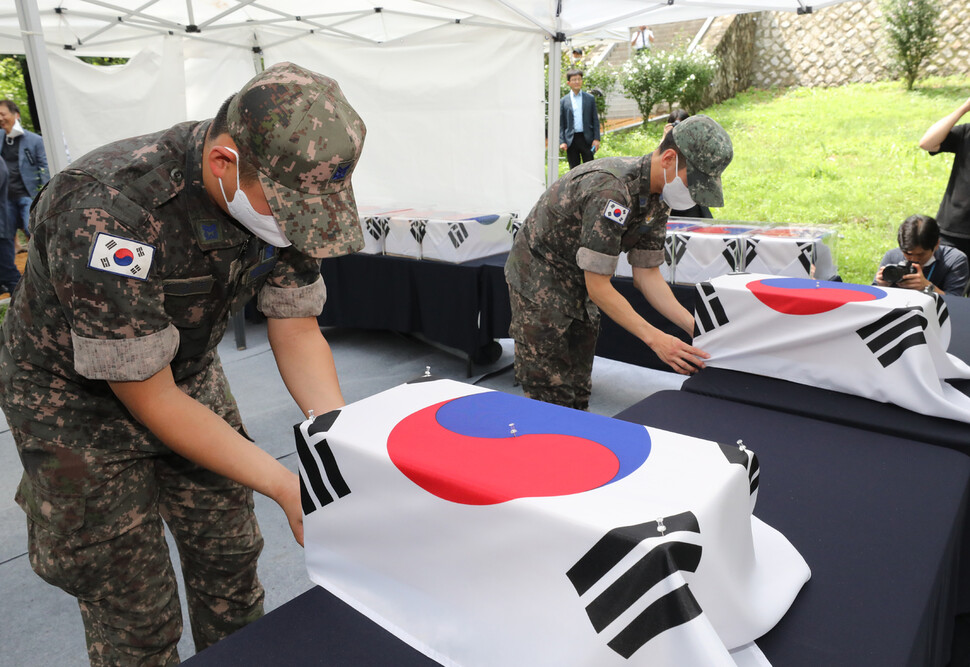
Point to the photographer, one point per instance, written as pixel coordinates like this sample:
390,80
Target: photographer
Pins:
921,263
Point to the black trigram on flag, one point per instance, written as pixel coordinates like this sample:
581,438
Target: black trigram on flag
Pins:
513,225
377,227
806,253
894,333
418,228
708,312
731,253
315,454
942,312
668,556
674,249
457,233
742,456
750,251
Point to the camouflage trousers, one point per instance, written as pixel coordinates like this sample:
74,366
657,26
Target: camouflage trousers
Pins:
553,353
94,526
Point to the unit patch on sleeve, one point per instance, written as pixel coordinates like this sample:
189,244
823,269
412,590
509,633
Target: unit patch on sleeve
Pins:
615,212
124,257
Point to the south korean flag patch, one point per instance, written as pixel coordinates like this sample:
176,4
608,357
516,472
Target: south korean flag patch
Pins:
121,256
615,212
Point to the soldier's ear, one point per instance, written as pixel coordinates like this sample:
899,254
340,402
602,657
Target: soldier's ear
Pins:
668,158
220,160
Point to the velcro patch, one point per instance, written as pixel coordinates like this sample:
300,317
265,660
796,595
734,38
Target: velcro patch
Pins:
121,256
615,212
341,171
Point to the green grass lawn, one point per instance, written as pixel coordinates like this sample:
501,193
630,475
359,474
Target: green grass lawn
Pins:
845,156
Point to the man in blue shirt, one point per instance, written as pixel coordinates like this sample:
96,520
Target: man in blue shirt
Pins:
579,123
940,269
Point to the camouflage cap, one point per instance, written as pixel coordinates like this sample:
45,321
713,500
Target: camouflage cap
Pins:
708,151
304,138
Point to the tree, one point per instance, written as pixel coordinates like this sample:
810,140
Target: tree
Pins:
913,34
12,87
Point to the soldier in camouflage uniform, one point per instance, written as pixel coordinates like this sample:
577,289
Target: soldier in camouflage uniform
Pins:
562,259
109,375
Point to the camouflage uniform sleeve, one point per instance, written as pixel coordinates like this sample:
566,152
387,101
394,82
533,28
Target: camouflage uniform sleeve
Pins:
599,242
294,289
119,328
649,250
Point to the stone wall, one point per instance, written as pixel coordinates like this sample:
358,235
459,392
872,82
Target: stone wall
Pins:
731,39
846,43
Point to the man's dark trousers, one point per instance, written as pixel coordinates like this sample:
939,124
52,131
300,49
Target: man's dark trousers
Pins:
579,151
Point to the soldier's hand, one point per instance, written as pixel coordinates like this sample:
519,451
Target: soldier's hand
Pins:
289,499
683,358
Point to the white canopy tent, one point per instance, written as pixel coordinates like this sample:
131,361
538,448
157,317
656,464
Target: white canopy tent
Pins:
451,90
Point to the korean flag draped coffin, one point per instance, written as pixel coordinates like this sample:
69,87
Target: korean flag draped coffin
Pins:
489,529
469,238
796,252
673,249
882,343
709,251
376,223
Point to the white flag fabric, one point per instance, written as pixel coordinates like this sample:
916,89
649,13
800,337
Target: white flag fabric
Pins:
882,343
489,529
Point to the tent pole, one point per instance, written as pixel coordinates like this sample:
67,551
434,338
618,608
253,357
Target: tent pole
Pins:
552,132
41,83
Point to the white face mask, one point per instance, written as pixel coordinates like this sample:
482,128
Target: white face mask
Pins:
263,226
675,194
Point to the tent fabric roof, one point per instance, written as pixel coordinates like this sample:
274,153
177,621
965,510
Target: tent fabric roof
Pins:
111,29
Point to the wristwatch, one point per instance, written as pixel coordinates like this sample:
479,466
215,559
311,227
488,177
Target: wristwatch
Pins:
929,289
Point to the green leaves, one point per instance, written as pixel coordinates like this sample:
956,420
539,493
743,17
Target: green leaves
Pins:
12,87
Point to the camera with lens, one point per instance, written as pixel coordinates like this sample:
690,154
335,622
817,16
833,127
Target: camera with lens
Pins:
893,273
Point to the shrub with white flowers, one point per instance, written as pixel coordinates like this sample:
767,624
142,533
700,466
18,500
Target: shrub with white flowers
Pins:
673,77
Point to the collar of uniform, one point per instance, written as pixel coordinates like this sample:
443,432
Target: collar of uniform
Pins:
213,227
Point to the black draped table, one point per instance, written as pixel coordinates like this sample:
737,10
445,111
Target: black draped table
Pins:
879,519
462,306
